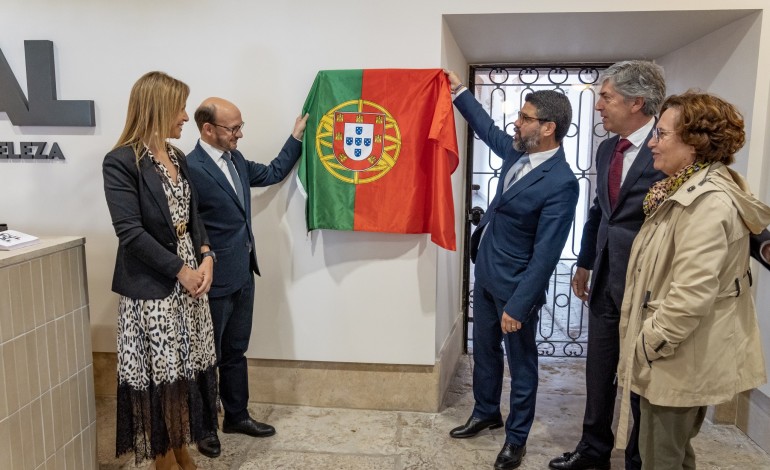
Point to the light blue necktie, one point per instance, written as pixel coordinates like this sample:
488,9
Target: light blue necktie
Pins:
510,177
508,181
234,175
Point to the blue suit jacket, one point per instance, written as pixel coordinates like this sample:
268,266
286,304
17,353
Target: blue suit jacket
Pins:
527,225
228,224
608,234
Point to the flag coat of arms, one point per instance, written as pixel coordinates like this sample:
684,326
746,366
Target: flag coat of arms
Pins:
378,153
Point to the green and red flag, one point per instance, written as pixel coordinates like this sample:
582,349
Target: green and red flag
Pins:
378,153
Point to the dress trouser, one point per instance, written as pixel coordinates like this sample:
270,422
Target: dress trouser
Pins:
488,366
665,433
602,356
232,315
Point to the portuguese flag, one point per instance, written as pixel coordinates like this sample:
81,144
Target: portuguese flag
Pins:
378,152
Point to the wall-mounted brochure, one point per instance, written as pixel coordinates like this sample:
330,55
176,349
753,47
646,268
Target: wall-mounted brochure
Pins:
12,240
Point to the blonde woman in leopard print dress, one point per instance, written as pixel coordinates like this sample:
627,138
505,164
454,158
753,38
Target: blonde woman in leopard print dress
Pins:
163,270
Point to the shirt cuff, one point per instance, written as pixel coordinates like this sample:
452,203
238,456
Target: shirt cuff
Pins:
462,90
762,249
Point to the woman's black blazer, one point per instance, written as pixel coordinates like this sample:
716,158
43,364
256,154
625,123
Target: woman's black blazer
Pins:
146,264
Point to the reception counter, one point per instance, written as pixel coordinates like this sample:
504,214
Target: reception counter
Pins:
47,408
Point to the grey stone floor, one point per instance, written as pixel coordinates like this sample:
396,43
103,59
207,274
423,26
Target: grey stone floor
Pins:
331,438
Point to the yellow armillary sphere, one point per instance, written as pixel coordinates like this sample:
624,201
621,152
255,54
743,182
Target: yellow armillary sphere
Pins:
358,141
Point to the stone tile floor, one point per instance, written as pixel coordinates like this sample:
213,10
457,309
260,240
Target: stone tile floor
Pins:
339,439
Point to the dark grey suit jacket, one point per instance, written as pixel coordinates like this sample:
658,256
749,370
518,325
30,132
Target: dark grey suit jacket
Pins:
146,264
228,224
608,234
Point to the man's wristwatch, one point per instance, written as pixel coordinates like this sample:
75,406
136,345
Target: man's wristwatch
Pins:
211,254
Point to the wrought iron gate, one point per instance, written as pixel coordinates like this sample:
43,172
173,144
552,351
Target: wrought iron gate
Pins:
562,330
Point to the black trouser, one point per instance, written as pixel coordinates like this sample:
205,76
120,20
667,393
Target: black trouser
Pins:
598,440
232,315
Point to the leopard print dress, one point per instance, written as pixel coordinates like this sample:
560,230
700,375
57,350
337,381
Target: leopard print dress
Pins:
166,357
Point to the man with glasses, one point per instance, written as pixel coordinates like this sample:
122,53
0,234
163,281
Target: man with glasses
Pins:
629,99
223,178
630,96
515,249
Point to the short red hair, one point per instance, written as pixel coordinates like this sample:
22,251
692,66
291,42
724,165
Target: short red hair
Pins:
710,124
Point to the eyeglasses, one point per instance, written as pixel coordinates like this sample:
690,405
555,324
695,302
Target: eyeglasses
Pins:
525,118
233,130
658,133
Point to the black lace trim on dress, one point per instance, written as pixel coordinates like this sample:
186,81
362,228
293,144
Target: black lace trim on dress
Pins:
166,416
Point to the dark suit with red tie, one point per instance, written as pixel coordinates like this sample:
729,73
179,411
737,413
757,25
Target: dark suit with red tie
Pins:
605,248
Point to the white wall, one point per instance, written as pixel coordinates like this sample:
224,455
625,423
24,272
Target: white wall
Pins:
331,296
449,267
349,297
759,178
723,62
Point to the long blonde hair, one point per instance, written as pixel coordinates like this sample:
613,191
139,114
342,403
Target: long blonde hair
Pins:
155,101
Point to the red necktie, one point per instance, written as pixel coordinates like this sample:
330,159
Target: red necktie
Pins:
616,171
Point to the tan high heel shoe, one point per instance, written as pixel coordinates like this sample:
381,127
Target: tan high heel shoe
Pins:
166,462
183,459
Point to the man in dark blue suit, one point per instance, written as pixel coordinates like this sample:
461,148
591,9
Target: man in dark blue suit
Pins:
223,178
516,248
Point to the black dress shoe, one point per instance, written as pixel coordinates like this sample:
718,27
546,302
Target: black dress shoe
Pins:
510,456
578,461
209,446
250,427
475,426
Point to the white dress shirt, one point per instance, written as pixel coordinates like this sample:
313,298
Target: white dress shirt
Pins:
216,156
637,140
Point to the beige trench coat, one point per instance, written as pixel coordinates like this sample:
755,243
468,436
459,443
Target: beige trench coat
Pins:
688,327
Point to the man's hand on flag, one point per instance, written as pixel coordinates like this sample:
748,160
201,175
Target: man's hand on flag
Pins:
299,126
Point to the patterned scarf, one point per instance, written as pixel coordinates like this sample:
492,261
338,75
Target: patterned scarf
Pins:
664,188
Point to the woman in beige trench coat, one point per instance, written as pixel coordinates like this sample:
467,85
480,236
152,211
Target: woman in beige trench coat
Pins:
688,329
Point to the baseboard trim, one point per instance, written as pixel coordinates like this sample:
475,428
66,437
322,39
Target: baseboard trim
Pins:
333,384
753,417
449,358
